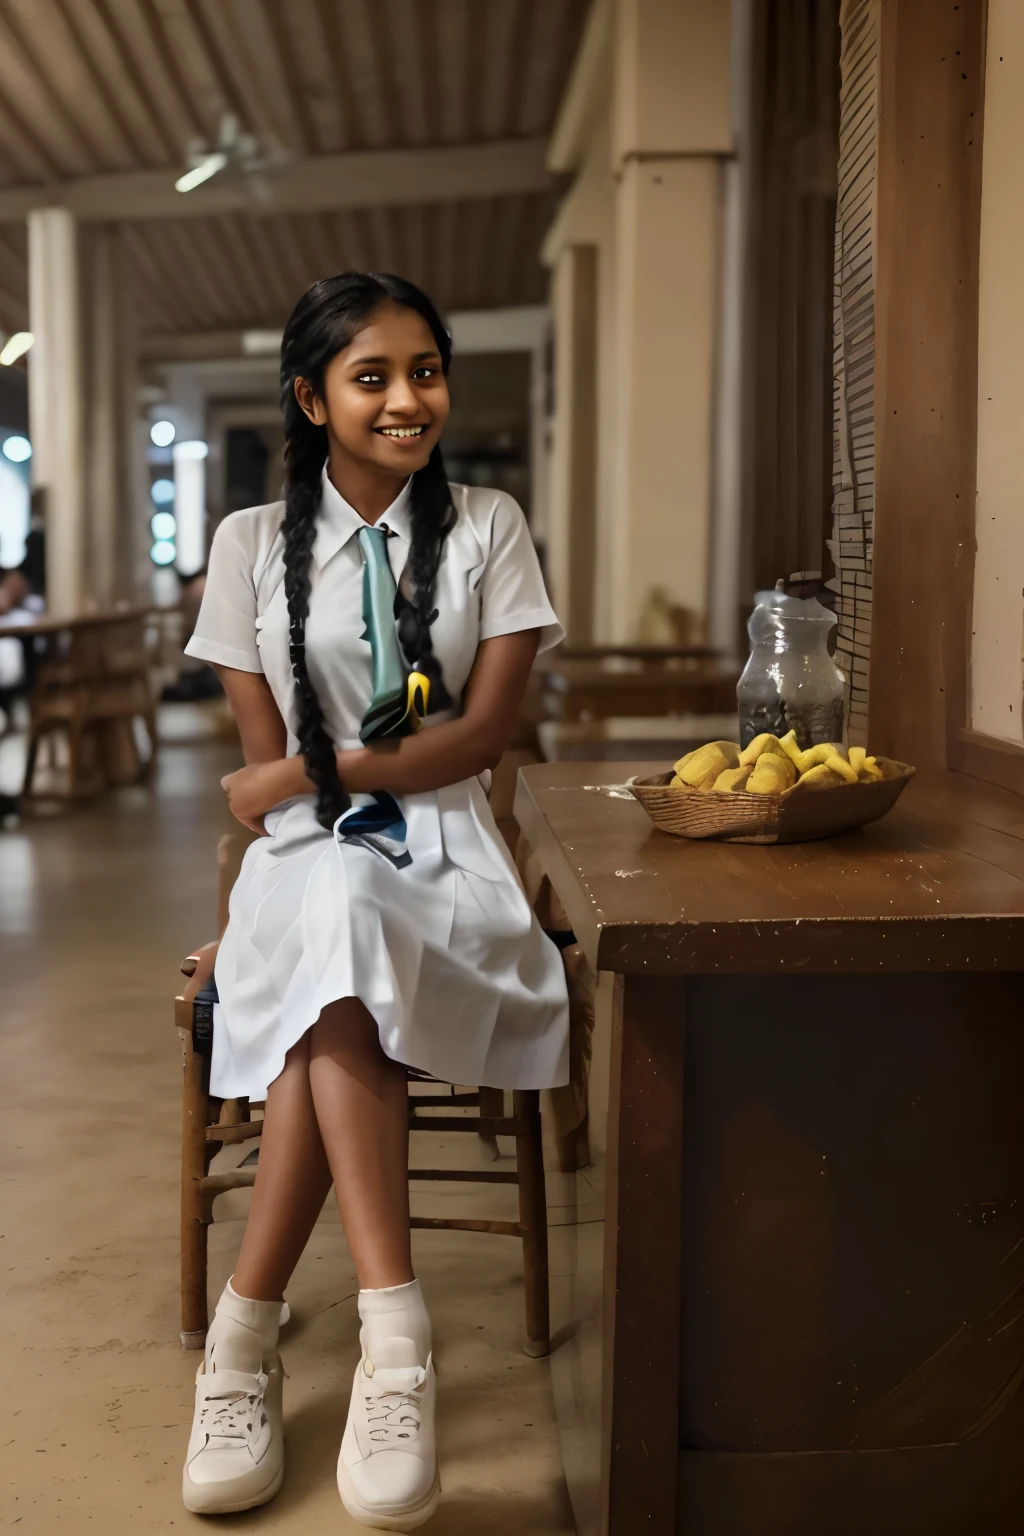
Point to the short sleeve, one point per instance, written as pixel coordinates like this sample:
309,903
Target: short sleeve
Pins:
512,592
225,632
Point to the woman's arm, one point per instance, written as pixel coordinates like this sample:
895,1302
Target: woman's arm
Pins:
444,754
458,749
263,733
264,738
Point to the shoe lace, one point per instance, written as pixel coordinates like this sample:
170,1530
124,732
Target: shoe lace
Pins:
231,1415
392,1416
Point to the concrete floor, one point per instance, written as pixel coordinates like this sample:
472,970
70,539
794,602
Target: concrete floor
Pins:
96,908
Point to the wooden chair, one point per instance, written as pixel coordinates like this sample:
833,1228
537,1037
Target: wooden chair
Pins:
209,1123
89,687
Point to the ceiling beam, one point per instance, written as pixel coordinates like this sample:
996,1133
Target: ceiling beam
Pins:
518,328
361,179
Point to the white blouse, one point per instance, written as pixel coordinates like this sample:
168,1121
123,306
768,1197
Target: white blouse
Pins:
489,583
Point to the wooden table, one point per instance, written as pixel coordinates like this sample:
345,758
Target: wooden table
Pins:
789,1293
587,689
88,679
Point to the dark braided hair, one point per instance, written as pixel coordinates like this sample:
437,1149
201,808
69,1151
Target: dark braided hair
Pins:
322,324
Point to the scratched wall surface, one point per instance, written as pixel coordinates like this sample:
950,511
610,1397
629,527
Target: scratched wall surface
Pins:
853,464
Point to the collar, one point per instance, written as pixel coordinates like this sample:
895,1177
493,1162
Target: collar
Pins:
338,520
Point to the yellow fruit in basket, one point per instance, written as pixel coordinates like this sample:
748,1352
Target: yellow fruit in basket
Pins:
732,779
772,774
822,776
866,767
791,747
707,762
759,746
828,754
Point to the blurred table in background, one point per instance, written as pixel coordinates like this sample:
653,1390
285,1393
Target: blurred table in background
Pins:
90,678
637,681
624,738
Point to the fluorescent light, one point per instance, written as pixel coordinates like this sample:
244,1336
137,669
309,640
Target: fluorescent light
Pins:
163,525
17,449
162,433
162,492
261,343
192,450
201,172
162,552
16,346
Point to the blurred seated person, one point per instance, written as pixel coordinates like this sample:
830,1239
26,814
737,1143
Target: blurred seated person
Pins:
195,679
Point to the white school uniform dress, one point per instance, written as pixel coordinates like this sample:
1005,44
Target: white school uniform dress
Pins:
445,953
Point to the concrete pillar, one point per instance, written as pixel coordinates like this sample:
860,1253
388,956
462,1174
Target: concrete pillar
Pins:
572,541
670,131
114,520
56,401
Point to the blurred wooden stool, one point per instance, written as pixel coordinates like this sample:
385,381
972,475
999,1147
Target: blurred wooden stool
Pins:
209,1123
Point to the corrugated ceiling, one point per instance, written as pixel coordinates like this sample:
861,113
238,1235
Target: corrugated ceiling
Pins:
98,86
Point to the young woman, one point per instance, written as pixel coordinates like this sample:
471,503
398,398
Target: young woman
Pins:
377,922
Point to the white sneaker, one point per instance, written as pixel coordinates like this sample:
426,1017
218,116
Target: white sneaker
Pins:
235,1456
387,1470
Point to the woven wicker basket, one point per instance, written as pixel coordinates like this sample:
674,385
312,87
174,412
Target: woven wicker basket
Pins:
795,816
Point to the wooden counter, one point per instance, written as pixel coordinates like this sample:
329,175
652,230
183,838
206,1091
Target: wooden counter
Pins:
789,1292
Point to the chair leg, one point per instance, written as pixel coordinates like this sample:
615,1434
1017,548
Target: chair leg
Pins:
194,1231
492,1103
34,738
533,1217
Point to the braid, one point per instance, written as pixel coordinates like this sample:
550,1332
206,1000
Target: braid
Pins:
432,519
305,453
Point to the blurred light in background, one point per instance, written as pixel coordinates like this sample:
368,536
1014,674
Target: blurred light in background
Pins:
163,525
17,449
190,504
162,552
162,433
200,173
162,492
15,346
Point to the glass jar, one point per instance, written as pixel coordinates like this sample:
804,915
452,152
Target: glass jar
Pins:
791,681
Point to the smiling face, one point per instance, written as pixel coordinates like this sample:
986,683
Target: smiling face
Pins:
385,399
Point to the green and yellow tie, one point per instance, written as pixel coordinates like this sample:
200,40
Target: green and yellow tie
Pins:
400,696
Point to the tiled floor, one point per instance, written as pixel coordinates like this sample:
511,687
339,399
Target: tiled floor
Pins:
96,908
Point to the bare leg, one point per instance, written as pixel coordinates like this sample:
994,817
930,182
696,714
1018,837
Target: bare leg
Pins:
291,1185
362,1108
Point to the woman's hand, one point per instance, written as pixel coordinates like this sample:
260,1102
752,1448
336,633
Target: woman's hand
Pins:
255,790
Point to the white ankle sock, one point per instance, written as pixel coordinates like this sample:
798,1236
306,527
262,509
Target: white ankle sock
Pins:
243,1333
396,1311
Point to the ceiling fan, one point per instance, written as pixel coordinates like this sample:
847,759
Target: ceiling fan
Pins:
233,155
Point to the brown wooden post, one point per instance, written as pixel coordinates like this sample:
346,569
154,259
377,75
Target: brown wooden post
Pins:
643,1261
533,1217
194,1314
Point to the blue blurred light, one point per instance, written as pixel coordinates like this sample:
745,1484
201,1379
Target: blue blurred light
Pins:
162,492
162,433
17,449
163,525
162,552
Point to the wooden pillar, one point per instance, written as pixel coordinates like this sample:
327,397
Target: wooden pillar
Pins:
928,199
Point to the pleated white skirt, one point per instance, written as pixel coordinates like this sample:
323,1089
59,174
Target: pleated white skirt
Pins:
446,954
